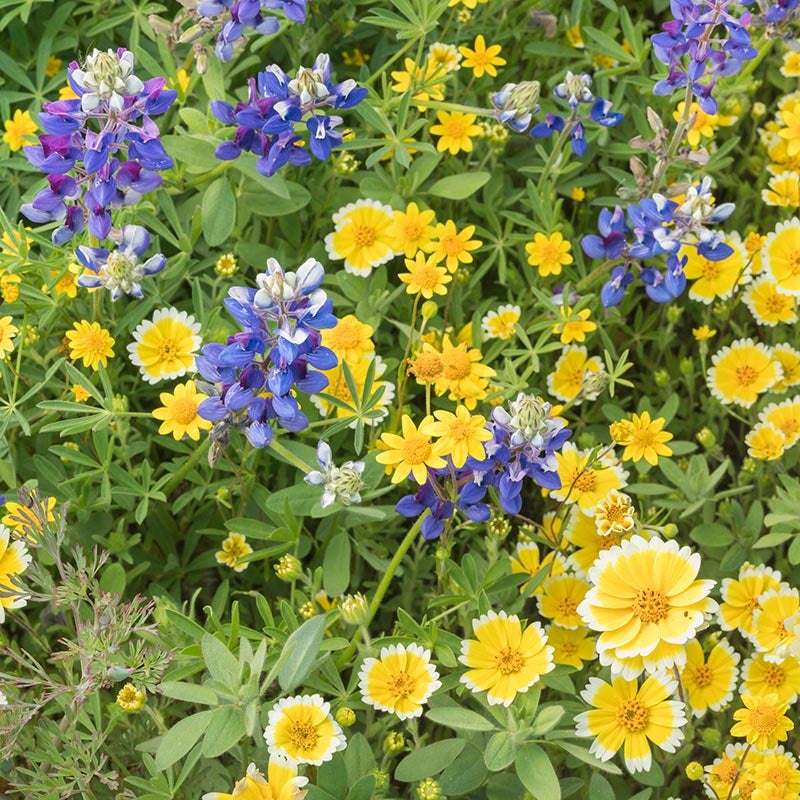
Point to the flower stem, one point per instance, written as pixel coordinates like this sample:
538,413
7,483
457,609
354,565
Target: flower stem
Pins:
383,586
289,456
185,468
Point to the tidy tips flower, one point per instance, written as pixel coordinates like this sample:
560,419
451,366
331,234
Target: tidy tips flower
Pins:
303,729
14,560
164,348
281,783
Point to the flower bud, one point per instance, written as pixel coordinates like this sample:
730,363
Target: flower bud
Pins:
498,527
394,743
288,568
758,110
694,771
670,530
131,699
429,789
706,438
381,780
354,609
346,717
429,309
307,610
674,313
201,60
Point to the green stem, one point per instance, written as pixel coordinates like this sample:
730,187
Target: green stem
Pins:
555,153
383,586
444,106
289,456
185,468
218,170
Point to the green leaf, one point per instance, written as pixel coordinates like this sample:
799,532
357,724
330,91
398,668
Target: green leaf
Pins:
600,788
547,718
584,755
362,789
224,731
460,719
219,212
113,579
188,692
712,534
336,565
220,662
536,772
429,760
465,774
181,738
458,187
500,752
300,652
251,528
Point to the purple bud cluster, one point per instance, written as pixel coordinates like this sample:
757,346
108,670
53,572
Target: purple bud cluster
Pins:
576,91
267,124
655,227
248,14
525,439
278,352
704,42
101,151
782,11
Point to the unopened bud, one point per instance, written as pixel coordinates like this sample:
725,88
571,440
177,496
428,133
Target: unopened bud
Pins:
429,789
288,567
429,309
201,61
394,743
381,780
191,34
674,313
160,26
694,771
670,530
499,527
346,717
354,609
661,377
706,438
687,366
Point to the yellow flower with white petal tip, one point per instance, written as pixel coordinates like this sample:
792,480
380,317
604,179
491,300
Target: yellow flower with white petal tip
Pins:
709,683
282,783
302,728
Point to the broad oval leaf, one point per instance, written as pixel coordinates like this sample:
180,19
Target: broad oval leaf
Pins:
181,738
429,760
458,187
536,772
299,652
218,212
460,719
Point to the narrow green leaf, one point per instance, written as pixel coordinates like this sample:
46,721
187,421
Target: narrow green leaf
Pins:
181,738
458,187
300,652
218,212
459,718
429,760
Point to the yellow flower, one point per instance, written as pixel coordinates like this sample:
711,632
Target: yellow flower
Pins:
482,60
762,722
362,237
572,329
164,347
412,453
709,684
130,699
549,253
226,265
715,279
615,514
463,376
527,560
91,343
647,439
571,647
761,676
53,66
9,287
27,520
14,560
765,442
783,191
559,599
19,130
357,59
181,80
7,334
778,770
338,388
645,592
424,277
725,772
303,729
788,360
400,681
350,339
583,532
66,283
467,3
427,365
459,435
702,124
453,245
443,57
234,548
741,372
569,377
768,305
79,393
574,38
584,484
781,255
282,783
500,324
740,596
179,412
703,333
578,194
425,81
412,229
791,131
774,622
503,659
67,93
791,64
629,716
455,131
785,417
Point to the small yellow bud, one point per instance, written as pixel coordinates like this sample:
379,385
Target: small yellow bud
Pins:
429,309
130,699
429,789
354,609
394,743
288,568
694,771
346,717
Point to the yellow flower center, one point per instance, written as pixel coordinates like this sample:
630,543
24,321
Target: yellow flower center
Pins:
746,375
458,365
566,606
400,684
364,235
644,438
569,649
727,771
776,775
615,513
303,735
774,675
764,720
184,410
416,449
776,304
427,277
584,481
456,128
167,349
508,660
427,366
608,541
92,341
650,605
632,715
703,676
346,336
412,230
459,430
793,262
451,245
711,270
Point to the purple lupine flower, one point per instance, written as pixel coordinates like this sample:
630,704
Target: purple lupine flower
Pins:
339,483
268,124
253,377
104,145
119,270
516,103
614,289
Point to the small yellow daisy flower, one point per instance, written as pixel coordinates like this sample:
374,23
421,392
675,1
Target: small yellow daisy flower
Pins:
500,324
774,623
791,64
572,329
282,783
615,514
559,599
503,659
788,360
164,347
350,339
424,277
455,131
715,279
742,371
572,374
760,677
626,715
363,236
703,124
527,560
234,548
443,57
79,393
90,342
14,560
303,729
7,334
424,79
482,60
768,305
453,245
765,442
709,684
762,722
582,532
427,365
400,681
582,484
549,253
412,229
179,412
703,333
781,254
578,194
791,131
53,66
459,435
740,596
19,130
463,376
647,439
130,699
785,416
412,453
783,190
571,646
